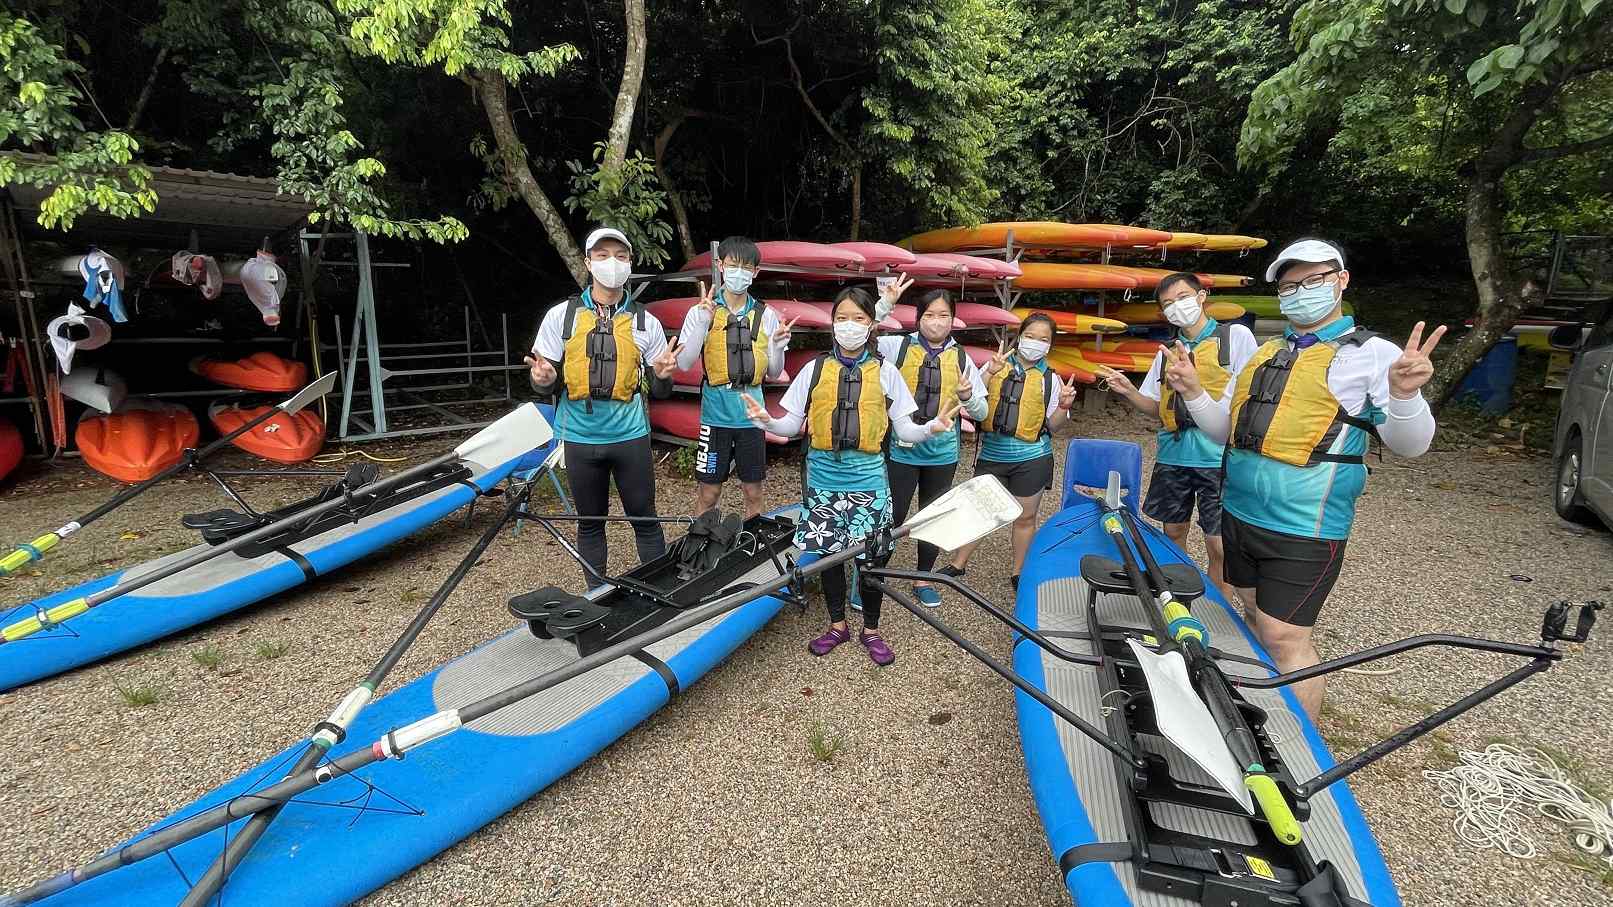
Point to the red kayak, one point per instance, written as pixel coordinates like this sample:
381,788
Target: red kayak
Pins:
671,312
138,441
10,448
878,256
932,265
263,371
907,316
793,254
286,438
982,268
679,416
980,315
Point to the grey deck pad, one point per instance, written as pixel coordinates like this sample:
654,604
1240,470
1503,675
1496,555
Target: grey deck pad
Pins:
1062,606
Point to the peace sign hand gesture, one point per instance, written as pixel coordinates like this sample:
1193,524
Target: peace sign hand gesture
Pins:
943,421
781,337
1067,395
1411,371
667,363
706,308
1116,380
999,359
755,411
1180,371
893,291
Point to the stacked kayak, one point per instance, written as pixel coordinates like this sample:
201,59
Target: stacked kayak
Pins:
262,371
284,438
139,440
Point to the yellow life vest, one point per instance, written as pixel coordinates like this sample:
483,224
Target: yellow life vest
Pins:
933,383
602,357
846,407
1282,407
1214,375
1015,406
736,349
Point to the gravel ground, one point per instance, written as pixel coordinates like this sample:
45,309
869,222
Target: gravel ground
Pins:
719,798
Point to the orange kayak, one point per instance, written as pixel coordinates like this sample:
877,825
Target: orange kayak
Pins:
138,441
1231,242
258,372
1229,281
286,438
1047,275
1075,322
1037,234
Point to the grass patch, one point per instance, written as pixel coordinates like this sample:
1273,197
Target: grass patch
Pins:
409,596
823,745
1587,863
1409,703
270,649
209,657
138,695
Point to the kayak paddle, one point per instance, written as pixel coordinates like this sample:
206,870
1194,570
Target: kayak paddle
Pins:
514,434
29,552
964,514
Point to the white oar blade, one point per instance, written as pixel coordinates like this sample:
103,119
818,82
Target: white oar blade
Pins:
517,432
969,512
310,394
1111,495
1185,720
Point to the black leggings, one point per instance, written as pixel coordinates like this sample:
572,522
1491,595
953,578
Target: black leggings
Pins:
590,468
931,482
834,593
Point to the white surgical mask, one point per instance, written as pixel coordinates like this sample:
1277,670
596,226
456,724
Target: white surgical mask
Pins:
611,273
1034,350
737,280
1308,305
851,335
1184,313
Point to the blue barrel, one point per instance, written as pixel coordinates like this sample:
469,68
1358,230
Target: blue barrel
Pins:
1490,382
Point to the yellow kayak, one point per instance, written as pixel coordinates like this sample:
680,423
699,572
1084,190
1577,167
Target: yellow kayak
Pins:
1073,323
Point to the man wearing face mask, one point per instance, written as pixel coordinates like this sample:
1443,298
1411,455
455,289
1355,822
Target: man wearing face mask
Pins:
592,352
740,342
1187,465
1301,416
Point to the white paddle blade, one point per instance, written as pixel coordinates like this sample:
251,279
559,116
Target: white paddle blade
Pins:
515,433
310,394
1185,720
969,512
1111,495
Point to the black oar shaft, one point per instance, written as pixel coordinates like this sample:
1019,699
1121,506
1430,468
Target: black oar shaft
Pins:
218,873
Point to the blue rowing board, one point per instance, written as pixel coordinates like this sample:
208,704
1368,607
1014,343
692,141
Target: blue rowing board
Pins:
224,584
1074,780
350,836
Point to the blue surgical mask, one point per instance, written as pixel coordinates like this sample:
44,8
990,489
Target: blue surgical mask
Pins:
1308,305
736,280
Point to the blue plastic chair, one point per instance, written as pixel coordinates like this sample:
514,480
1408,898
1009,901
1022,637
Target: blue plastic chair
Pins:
543,461
1088,462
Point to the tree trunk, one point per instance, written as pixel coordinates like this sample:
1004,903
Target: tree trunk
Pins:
1500,293
680,214
856,199
145,90
490,91
621,121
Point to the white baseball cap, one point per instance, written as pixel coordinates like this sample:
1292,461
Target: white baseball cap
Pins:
604,233
1312,250
73,332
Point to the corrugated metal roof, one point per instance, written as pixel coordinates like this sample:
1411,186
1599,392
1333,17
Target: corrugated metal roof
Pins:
189,198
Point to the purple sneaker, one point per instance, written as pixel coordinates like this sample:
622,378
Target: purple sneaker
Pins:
877,649
826,643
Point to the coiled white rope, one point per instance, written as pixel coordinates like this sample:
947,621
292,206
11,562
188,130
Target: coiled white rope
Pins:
1491,789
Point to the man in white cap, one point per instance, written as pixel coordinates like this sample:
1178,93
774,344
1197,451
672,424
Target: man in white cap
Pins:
1297,428
592,353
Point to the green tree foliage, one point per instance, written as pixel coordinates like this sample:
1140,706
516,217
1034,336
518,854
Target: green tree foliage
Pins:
1500,113
41,106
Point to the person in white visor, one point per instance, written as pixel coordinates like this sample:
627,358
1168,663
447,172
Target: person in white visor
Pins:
1297,427
1187,462
593,353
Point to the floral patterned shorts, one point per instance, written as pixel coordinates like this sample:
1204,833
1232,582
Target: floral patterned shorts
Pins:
837,519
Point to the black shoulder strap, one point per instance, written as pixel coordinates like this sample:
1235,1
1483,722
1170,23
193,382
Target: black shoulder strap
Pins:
901,354
573,303
640,315
756,320
1223,343
963,361
1357,337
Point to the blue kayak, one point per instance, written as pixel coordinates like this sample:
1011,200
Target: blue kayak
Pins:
353,834
1078,790
230,581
